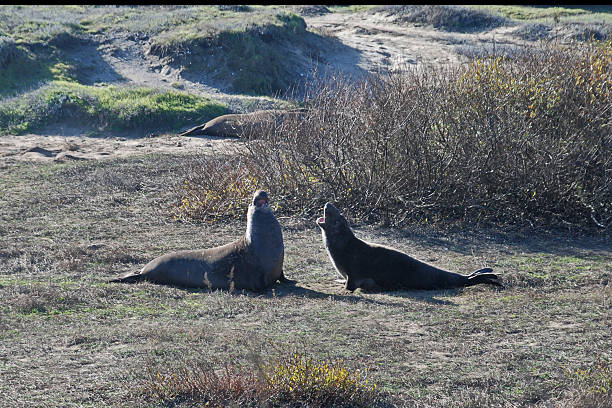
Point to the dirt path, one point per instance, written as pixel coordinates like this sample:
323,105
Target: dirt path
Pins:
53,148
383,43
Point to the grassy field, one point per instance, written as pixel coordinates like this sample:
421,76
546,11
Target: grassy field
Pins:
68,338
71,339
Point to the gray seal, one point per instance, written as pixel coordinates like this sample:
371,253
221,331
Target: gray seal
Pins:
375,267
254,261
243,124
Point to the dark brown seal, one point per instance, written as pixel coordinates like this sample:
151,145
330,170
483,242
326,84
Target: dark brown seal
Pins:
376,267
242,124
253,262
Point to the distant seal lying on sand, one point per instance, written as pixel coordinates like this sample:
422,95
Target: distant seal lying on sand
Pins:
252,262
241,124
375,267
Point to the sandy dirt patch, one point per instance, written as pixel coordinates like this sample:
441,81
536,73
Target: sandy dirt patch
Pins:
377,41
52,148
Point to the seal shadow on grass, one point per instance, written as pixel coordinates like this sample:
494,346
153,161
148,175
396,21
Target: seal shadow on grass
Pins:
292,289
286,289
427,296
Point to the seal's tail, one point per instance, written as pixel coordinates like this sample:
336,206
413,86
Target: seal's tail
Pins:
483,275
193,131
129,278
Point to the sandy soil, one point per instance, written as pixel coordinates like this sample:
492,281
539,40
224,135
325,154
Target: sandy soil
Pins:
53,148
382,43
372,42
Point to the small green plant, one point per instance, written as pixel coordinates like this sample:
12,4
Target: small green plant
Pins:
592,386
596,378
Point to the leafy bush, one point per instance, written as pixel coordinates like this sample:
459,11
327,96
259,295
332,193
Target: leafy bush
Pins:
8,51
523,141
111,107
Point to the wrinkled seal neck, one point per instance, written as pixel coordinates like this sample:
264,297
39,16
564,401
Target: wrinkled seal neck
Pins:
261,224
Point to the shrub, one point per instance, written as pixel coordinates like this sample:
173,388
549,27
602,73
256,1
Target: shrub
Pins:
301,378
218,186
523,141
294,380
8,51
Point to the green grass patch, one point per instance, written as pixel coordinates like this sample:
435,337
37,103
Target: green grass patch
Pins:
23,67
105,108
247,51
353,8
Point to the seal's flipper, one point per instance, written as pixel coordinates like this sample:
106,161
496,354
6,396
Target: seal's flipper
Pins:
283,279
481,271
489,278
129,278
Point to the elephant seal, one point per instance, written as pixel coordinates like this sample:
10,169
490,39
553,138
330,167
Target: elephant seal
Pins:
242,124
375,267
254,261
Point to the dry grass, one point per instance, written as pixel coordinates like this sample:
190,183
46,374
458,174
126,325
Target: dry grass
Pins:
68,338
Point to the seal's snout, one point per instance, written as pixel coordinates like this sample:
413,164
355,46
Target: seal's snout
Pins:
260,198
328,211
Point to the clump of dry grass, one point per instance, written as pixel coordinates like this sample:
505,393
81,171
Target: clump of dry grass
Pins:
449,18
293,380
32,299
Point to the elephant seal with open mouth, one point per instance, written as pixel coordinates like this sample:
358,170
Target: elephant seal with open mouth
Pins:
374,267
254,261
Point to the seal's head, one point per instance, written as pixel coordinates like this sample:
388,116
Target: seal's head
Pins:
334,226
260,200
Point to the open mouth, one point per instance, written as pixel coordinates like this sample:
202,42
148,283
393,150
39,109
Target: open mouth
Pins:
321,220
